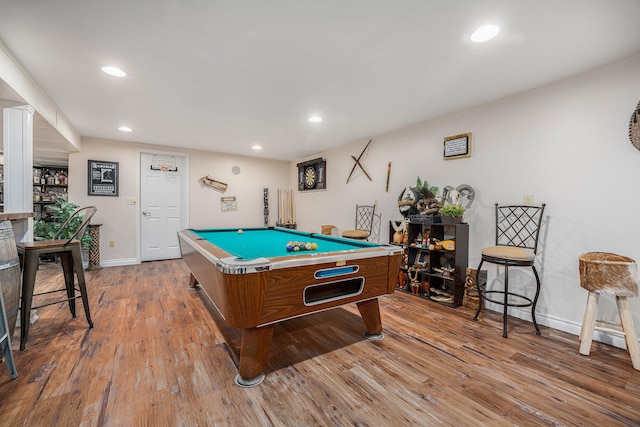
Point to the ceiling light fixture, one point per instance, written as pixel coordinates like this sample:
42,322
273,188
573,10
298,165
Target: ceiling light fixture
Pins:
125,129
484,33
256,147
315,119
114,71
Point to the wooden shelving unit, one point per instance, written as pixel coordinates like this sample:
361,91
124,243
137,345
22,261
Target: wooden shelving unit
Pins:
430,270
49,184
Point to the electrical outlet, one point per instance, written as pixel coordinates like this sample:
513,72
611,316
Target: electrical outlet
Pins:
112,243
528,199
130,200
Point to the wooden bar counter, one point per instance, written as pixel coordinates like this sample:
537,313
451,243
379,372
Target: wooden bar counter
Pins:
12,216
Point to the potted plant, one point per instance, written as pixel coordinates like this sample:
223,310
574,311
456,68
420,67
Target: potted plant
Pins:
452,214
62,210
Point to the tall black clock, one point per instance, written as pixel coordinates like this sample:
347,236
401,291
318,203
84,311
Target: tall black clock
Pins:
312,175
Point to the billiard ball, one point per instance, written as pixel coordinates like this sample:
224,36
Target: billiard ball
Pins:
314,246
240,231
307,246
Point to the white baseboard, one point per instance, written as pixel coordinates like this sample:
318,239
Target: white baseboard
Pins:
616,340
119,262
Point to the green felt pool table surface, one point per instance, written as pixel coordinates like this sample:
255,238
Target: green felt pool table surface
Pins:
272,242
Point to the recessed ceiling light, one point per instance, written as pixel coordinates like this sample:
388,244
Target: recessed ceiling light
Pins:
114,71
256,147
125,129
484,33
315,119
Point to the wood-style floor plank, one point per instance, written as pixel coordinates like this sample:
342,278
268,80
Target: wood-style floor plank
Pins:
159,356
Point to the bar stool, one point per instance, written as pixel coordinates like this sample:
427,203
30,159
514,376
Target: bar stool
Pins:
609,274
70,253
329,230
364,223
516,245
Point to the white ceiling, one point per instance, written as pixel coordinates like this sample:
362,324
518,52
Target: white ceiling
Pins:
50,148
224,75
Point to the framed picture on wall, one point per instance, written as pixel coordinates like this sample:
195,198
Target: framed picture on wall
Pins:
102,178
457,146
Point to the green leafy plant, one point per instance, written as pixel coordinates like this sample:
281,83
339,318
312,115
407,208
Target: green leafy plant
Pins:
425,190
62,210
452,210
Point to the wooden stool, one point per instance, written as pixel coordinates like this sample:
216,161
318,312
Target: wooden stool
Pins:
327,230
609,274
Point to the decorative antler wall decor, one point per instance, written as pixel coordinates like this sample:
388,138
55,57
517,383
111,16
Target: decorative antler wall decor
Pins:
462,194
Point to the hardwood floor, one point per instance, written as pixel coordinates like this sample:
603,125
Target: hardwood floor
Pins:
156,357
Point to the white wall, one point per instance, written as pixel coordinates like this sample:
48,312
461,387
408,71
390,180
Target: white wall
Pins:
120,221
567,144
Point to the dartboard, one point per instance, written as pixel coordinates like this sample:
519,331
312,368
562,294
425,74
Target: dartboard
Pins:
310,177
634,127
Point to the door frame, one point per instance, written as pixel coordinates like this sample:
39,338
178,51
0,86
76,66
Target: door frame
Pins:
184,193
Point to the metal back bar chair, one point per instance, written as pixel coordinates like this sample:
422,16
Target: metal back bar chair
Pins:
364,223
516,245
70,252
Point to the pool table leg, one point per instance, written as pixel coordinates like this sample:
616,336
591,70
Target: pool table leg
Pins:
254,351
193,282
370,312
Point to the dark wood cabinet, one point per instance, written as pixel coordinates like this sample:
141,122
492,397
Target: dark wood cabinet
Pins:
435,263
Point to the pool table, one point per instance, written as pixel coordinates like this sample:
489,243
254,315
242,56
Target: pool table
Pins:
254,282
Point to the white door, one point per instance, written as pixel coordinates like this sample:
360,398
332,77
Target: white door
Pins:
161,205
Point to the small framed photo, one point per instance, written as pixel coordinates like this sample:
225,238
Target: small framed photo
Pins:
457,146
103,178
229,204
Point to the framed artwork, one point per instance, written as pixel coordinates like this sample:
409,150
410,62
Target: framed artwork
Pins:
229,204
103,178
312,175
457,146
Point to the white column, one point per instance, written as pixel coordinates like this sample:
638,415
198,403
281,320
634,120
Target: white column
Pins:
18,167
